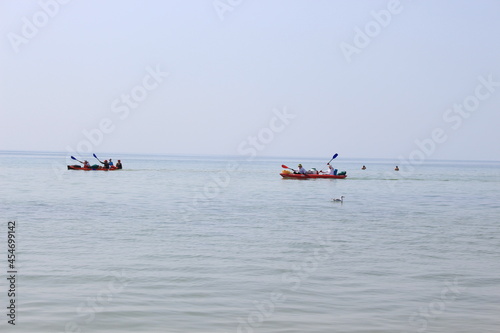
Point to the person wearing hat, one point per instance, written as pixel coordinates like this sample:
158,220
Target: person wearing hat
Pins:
301,169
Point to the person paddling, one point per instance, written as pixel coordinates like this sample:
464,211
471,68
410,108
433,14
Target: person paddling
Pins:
106,164
301,169
332,170
86,164
110,162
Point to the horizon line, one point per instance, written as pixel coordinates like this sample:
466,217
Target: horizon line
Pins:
396,160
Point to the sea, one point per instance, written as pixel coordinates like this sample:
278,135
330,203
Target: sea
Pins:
224,244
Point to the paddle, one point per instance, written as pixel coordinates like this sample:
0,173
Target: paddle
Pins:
333,157
73,158
98,159
285,167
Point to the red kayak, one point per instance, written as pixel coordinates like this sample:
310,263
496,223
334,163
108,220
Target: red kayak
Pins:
310,176
79,167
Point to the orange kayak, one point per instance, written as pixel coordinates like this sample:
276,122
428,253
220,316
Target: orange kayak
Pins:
310,176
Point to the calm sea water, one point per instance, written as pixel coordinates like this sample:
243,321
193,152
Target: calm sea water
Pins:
205,244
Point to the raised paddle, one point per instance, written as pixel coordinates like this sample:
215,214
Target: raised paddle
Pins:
333,157
73,158
98,159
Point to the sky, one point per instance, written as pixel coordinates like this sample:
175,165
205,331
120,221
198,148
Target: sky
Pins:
413,80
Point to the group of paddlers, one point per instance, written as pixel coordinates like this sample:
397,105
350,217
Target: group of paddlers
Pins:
106,164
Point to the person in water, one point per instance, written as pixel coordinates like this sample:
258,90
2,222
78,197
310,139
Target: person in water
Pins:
110,162
396,168
119,164
301,169
363,168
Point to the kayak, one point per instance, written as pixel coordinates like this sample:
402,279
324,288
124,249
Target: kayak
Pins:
79,167
310,176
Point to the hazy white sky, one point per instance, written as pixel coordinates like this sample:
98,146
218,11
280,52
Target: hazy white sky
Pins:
390,79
